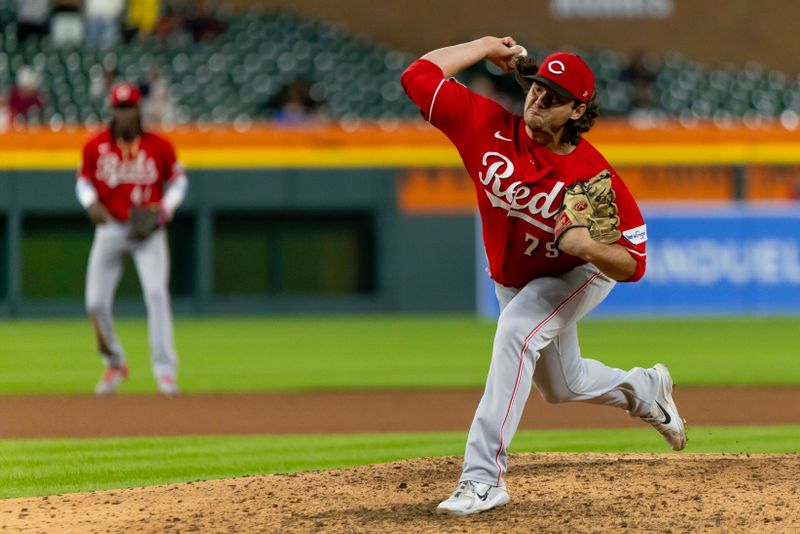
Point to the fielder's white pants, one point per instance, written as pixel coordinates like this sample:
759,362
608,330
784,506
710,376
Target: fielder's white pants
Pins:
537,340
151,258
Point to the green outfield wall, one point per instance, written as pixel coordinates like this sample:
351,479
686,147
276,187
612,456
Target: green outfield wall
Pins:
294,240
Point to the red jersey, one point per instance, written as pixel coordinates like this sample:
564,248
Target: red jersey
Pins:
519,183
136,178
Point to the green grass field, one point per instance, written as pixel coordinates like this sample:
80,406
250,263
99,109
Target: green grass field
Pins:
262,354
47,467
252,354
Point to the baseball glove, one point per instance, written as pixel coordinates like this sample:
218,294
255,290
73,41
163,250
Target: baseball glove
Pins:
143,221
98,213
590,204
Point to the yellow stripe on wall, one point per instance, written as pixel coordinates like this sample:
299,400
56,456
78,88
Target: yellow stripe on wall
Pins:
39,159
369,157
260,158
413,156
708,154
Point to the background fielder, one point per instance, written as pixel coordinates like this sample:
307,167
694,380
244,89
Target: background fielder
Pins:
548,269
128,172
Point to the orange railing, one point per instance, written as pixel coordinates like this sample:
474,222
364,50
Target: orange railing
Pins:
607,132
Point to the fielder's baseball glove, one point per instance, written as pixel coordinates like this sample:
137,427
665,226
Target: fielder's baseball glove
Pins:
143,221
98,213
590,204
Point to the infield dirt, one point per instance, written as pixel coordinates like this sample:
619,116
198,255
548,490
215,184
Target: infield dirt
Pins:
549,493
344,412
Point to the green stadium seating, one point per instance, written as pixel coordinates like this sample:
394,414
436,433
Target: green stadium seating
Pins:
238,73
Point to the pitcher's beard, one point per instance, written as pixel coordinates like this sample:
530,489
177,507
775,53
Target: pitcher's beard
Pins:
129,134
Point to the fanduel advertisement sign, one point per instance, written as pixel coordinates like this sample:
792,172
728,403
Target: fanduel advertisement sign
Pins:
710,260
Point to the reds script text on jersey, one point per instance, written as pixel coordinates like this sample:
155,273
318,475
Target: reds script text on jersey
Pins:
519,184
137,178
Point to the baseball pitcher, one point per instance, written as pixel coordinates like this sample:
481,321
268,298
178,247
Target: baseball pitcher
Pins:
559,229
130,184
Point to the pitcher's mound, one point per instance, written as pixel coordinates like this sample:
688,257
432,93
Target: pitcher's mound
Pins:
549,493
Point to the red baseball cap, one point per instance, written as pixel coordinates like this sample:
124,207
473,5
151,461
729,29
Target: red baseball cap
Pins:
125,94
566,74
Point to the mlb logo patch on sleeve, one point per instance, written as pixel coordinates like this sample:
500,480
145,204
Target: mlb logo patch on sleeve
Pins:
636,235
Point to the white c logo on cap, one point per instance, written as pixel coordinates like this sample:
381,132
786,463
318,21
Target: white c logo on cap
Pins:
556,67
123,92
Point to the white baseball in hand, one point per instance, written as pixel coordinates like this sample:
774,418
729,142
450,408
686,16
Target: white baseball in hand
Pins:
512,63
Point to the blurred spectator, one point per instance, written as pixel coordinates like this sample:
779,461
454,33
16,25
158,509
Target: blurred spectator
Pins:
142,17
5,116
169,24
202,24
33,17
294,105
145,83
641,74
24,96
103,22
157,109
102,79
66,23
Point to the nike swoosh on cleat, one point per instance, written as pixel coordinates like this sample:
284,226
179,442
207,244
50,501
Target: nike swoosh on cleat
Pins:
498,135
667,418
484,496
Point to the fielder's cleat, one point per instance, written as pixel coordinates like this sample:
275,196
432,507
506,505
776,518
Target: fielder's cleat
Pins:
473,497
112,378
167,385
664,414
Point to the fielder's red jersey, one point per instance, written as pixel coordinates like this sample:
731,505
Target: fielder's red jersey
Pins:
519,183
135,178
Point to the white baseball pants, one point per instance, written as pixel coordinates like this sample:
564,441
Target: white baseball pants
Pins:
151,258
537,340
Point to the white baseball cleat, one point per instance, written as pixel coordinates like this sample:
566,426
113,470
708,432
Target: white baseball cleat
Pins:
473,497
113,376
167,385
664,415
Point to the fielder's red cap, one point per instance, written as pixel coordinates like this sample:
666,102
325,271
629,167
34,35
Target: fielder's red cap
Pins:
566,74
125,94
